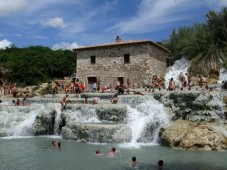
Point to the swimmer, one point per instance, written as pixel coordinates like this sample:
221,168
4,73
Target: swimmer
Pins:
160,164
133,161
112,152
53,144
59,145
98,153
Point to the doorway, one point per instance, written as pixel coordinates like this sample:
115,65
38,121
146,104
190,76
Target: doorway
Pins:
91,81
120,80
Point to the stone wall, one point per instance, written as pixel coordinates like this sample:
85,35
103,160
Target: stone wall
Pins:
145,61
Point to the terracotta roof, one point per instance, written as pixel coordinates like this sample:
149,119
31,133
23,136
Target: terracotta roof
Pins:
121,44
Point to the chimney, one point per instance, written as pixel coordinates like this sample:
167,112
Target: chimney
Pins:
118,39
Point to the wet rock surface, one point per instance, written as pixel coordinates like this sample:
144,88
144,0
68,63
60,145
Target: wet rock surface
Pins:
88,132
194,136
195,106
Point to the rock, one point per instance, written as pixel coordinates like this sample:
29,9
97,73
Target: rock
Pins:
91,132
3,133
44,122
111,112
195,106
99,112
193,136
97,95
225,99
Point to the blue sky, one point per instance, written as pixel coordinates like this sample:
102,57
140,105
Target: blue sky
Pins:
72,23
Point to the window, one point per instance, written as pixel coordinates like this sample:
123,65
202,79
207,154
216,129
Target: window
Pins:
93,59
126,58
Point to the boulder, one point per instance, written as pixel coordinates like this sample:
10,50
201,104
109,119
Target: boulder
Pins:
44,122
194,136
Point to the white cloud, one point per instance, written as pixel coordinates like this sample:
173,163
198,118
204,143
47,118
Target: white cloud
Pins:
153,15
8,7
223,2
5,43
56,22
65,46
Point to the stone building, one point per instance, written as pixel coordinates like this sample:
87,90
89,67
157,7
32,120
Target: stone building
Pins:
137,61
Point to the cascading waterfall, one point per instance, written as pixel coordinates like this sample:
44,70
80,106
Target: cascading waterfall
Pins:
87,114
140,121
17,120
145,120
223,75
57,108
179,67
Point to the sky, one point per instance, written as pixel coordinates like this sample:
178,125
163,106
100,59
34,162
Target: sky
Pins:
67,24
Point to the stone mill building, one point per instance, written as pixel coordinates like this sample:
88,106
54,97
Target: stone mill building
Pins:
137,61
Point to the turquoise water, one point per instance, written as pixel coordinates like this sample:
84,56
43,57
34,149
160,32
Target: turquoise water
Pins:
35,153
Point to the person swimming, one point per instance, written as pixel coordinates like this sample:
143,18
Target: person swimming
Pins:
98,153
133,161
160,164
112,152
53,144
59,145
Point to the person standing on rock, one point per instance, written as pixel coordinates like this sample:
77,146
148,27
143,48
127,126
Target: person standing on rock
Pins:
14,91
73,77
63,102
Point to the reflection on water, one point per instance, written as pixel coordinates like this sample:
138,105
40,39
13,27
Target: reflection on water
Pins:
36,153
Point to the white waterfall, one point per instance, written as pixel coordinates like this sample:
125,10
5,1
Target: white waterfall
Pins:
17,120
57,108
179,67
145,120
86,115
223,75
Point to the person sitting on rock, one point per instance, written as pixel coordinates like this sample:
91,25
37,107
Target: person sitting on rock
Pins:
17,102
114,100
94,101
86,100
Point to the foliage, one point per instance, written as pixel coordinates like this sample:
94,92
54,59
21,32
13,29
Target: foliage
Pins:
32,65
204,44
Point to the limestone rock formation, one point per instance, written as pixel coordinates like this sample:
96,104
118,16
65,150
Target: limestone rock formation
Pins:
88,132
194,106
194,136
44,122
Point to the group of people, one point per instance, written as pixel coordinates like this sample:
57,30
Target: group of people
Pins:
133,162
186,82
8,89
69,85
111,153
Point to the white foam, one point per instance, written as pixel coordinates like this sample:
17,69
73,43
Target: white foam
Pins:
223,75
150,113
174,71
